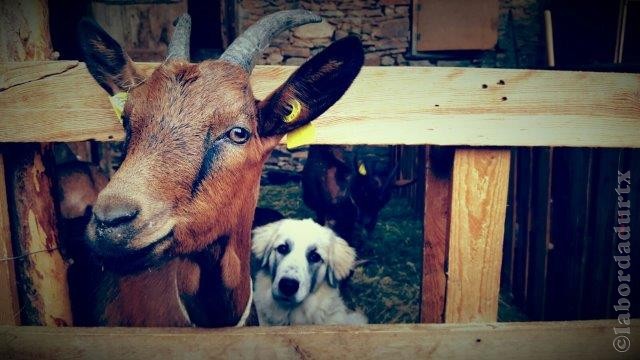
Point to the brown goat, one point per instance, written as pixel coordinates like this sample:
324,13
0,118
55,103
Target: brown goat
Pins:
174,224
77,187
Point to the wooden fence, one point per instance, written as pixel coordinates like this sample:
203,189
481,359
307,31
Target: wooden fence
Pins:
465,213
559,239
485,110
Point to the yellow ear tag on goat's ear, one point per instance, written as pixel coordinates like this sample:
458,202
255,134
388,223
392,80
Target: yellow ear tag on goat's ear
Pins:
296,108
117,101
301,136
362,170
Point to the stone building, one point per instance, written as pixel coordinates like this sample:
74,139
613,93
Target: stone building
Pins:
384,26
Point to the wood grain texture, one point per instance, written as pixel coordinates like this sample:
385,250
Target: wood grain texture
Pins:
385,105
437,210
24,36
478,209
565,340
9,305
42,274
20,73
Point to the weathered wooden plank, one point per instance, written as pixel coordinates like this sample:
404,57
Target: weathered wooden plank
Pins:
9,306
386,105
437,208
24,36
24,72
41,276
478,209
563,340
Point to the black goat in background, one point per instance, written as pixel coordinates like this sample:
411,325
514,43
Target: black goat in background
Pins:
345,189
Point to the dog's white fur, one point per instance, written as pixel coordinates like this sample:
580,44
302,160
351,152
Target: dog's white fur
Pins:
317,299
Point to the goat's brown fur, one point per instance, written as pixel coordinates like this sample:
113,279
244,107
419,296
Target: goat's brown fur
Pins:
195,189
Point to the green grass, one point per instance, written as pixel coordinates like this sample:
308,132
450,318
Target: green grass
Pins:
387,288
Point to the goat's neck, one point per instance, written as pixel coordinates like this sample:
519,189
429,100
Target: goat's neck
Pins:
212,287
214,304
182,292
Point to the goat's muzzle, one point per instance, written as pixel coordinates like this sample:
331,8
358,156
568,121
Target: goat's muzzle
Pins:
126,236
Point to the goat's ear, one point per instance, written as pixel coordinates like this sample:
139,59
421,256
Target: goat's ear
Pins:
262,240
340,260
312,89
106,60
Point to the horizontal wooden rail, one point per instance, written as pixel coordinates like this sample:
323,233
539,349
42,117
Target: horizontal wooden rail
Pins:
59,101
552,340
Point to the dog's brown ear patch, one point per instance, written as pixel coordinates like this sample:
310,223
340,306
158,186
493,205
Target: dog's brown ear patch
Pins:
263,238
341,260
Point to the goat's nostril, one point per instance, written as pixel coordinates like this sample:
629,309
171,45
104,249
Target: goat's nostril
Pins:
115,215
288,286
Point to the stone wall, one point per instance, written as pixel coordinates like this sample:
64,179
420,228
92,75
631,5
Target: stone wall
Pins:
384,26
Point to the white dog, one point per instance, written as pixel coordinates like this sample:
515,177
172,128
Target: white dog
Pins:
301,265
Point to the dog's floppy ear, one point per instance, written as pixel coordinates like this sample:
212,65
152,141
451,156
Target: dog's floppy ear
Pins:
262,239
340,260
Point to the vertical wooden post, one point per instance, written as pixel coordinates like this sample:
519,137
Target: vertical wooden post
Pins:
9,308
25,30
42,275
478,209
437,206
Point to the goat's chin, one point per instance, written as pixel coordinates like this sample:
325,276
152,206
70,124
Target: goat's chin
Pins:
133,261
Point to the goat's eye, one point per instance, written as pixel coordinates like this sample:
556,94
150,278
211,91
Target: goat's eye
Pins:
239,135
283,249
314,257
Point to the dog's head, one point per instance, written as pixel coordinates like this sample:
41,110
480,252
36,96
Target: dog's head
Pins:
300,255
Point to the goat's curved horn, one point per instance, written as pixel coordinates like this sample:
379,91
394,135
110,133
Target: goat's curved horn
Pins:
244,50
179,44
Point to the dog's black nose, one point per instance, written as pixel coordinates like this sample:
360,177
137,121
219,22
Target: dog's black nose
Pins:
288,286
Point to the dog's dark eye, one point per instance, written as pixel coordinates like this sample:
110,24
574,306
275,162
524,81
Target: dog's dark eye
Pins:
239,135
283,249
314,257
